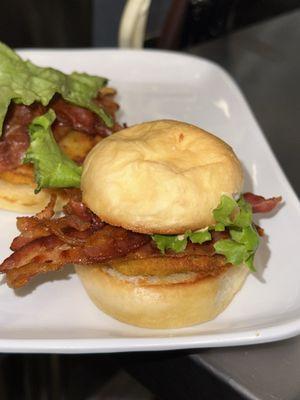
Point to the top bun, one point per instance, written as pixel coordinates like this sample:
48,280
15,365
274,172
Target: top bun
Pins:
159,177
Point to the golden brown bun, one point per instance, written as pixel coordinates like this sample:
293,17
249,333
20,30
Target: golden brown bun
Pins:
172,301
21,198
159,177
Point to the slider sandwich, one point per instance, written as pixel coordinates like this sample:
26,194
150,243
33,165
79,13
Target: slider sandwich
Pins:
160,233
84,114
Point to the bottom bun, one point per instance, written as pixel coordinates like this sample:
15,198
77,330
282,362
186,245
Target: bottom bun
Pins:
172,301
21,198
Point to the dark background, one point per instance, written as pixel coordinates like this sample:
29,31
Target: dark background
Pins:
84,23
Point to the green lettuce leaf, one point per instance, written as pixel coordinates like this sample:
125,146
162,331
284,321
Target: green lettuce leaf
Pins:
52,168
232,213
23,82
236,217
250,262
200,236
178,243
219,227
243,217
223,213
234,252
246,236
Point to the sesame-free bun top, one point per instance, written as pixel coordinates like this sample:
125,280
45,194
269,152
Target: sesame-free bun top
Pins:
159,177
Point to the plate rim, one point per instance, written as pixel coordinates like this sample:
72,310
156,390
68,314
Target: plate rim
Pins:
107,345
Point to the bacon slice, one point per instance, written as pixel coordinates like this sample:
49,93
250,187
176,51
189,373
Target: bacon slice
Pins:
260,204
48,211
51,252
31,229
111,242
77,208
105,99
15,141
42,225
78,118
16,278
30,251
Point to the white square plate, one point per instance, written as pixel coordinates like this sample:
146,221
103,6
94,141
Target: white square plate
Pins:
53,314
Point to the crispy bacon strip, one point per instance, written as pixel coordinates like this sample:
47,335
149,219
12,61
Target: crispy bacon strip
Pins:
77,208
78,118
106,100
15,141
57,227
48,211
260,204
30,229
30,251
50,252
33,227
16,278
42,225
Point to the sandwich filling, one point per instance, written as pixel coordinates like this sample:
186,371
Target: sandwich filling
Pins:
47,244
84,110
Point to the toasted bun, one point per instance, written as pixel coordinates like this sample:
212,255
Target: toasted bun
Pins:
21,198
159,177
173,301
